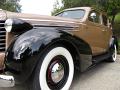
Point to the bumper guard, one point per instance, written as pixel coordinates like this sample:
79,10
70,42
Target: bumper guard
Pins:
7,81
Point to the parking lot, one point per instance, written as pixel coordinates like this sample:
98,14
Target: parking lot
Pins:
104,76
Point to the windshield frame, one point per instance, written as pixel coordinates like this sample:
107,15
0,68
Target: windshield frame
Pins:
71,10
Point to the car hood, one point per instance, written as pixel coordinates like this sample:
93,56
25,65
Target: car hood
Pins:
41,20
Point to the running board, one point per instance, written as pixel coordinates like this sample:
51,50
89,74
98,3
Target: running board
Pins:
97,59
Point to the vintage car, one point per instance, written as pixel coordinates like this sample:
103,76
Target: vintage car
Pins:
45,51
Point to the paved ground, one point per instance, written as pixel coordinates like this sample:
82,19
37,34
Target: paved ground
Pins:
104,76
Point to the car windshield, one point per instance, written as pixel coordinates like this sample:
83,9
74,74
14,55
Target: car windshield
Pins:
74,14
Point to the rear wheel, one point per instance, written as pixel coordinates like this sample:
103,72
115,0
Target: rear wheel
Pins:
54,71
113,56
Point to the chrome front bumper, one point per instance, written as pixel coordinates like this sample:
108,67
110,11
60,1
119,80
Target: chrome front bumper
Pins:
7,81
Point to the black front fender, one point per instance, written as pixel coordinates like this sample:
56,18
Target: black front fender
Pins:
22,55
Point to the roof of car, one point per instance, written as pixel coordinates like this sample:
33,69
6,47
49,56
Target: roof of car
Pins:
85,8
78,8
75,8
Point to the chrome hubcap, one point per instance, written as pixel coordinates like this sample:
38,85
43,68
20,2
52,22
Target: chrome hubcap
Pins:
57,72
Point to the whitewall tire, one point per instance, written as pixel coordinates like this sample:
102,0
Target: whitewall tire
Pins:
56,70
114,54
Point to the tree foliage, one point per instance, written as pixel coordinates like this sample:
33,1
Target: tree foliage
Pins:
109,6
77,3
112,7
57,8
10,5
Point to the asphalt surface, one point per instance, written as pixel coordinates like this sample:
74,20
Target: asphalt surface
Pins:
103,76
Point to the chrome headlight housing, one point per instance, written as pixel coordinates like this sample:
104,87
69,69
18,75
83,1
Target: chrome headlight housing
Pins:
8,25
17,25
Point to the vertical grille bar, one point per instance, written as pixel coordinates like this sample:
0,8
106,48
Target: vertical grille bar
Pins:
2,36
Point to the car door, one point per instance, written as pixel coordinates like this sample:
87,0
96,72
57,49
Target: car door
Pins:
92,32
106,31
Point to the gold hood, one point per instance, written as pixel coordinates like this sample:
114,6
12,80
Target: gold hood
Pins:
35,19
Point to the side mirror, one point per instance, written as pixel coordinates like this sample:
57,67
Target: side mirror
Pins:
92,17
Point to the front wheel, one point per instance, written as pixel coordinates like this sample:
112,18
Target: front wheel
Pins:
55,70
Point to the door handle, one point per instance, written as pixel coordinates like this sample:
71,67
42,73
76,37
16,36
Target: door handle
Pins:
103,30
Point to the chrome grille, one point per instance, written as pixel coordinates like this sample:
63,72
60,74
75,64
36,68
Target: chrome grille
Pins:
2,36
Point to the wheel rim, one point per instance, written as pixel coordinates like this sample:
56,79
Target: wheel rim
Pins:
57,72
114,55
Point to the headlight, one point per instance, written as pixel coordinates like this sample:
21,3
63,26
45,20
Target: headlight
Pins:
17,25
8,25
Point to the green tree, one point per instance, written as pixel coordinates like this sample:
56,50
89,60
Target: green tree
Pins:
112,7
10,5
57,8
77,3
71,4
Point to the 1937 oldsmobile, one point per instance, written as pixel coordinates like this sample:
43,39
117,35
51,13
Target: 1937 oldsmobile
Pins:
46,50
